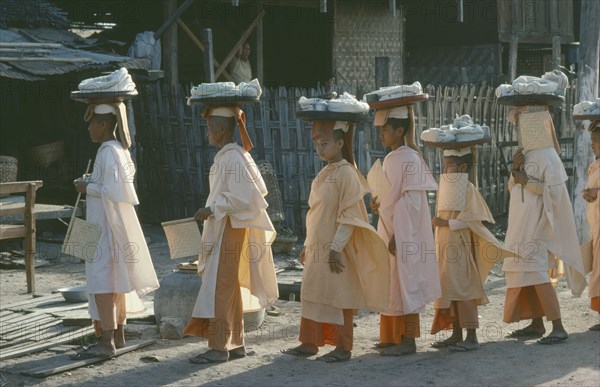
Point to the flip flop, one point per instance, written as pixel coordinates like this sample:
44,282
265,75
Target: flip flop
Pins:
520,333
205,358
297,352
552,340
333,357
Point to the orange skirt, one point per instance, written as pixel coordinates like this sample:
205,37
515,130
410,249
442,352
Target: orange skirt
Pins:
393,328
463,312
531,302
596,304
319,334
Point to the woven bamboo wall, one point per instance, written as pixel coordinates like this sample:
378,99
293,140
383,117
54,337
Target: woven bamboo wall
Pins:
174,157
362,31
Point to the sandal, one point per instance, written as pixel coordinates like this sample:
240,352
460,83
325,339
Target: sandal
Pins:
522,333
335,357
208,357
237,353
297,352
553,339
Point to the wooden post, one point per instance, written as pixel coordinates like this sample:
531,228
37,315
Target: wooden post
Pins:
587,90
556,52
209,70
29,243
169,45
512,57
260,50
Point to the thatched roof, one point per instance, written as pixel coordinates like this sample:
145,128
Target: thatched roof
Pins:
31,14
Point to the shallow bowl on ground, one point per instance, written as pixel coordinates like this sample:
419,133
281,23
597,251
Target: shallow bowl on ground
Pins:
75,293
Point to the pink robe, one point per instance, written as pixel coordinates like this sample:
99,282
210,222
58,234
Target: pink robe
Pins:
404,213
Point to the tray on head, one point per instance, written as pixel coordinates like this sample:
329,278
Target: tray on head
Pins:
397,102
313,115
531,99
458,144
223,101
102,96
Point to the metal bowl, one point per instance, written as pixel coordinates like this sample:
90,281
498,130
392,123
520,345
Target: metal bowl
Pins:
75,293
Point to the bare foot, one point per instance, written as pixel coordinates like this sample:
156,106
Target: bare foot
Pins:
450,341
303,350
531,330
335,356
382,345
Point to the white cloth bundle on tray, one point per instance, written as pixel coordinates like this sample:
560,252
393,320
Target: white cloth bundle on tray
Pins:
345,103
587,108
117,81
551,83
227,89
399,91
462,129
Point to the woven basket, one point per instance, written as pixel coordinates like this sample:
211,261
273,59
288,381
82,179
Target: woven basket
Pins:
8,169
44,155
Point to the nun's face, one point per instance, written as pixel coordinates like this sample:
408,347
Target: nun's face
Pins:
98,130
390,137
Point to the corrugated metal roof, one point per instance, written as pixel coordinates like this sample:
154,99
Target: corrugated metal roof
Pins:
39,70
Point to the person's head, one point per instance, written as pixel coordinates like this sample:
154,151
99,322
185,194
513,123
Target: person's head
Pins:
458,164
596,138
220,130
392,132
396,127
102,123
245,52
328,143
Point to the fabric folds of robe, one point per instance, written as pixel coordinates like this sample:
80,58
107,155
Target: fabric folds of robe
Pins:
466,256
238,191
404,213
336,198
541,228
121,262
593,217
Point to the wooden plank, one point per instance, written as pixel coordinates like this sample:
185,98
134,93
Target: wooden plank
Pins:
31,330
199,44
30,237
29,348
9,231
65,363
209,70
260,67
512,57
174,16
5,210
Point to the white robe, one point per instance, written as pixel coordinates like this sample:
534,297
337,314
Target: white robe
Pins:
542,227
404,212
237,190
122,261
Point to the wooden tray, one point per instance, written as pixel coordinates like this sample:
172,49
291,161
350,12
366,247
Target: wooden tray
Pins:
457,144
591,117
102,96
397,102
531,99
231,101
313,115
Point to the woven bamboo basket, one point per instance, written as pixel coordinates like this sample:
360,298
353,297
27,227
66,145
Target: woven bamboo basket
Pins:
8,169
44,155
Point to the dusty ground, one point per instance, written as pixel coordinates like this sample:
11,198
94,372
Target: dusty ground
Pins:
499,361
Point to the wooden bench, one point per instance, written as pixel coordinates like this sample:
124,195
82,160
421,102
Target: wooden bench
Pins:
25,230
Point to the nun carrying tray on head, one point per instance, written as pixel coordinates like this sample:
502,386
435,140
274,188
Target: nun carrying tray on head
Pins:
405,223
541,226
465,249
345,262
121,268
236,261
